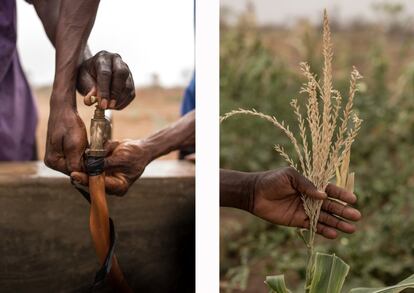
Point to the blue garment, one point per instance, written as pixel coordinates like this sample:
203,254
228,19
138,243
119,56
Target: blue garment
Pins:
188,103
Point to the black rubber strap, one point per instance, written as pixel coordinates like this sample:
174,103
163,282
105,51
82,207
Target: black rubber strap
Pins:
94,167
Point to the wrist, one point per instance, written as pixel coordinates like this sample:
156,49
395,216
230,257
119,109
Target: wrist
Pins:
175,136
237,189
62,98
154,147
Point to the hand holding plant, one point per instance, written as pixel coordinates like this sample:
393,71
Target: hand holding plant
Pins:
322,150
277,199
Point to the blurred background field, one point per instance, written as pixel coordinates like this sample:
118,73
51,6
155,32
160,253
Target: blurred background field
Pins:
259,68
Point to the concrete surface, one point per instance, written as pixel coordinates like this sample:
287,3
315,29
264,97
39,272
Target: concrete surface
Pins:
45,245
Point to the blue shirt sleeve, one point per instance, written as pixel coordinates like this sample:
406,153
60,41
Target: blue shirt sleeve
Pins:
188,103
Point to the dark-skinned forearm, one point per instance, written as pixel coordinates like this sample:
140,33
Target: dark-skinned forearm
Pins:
237,189
48,12
73,26
176,136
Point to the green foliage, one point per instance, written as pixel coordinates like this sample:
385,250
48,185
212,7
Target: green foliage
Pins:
256,75
277,284
329,276
405,284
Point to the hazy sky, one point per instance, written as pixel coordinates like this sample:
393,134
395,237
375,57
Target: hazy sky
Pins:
287,11
151,36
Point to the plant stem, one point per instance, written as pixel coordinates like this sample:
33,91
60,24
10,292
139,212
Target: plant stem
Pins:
309,268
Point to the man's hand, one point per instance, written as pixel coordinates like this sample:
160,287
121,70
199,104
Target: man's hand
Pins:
277,199
107,77
124,163
66,141
126,160
275,196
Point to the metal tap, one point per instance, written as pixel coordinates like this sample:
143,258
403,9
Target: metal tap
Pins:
100,133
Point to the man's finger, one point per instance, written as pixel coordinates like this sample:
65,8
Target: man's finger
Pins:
74,162
304,186
326,231
56,162
90,97
341,210
85,80
110,146
120,73
336,223
127,95
323,230
116,184
110,162
339,193
80,178
74,146
103,78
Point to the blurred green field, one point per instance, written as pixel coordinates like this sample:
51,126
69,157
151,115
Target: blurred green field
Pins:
259,68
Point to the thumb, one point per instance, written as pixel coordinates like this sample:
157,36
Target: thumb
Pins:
110,146
110,160
90,97
304,186
80,178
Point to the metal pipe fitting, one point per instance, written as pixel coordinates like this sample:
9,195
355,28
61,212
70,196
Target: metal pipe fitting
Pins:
100,133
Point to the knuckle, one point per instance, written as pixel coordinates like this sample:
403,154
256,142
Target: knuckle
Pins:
102,64
291,171
105,71
73,166
320,229
102,53
120,189
123,190
337,222
117,56
132,94
342,210
50,160
115,93
122,73
293,176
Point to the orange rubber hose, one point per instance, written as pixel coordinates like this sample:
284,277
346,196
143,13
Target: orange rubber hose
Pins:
99,228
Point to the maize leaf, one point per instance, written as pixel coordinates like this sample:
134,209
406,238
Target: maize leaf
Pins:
277,284
405,284
329,274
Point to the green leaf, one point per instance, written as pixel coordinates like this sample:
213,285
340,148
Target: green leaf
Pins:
329,274
277,284
405,284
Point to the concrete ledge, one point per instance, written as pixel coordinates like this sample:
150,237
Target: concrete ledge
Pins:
46,246
33,171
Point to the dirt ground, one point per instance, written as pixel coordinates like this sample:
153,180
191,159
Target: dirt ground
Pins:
152,109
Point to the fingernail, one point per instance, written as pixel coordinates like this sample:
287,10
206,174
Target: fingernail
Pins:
75,180
112,104
93,99
104,103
